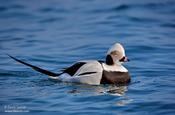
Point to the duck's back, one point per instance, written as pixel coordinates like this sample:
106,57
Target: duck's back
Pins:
95,73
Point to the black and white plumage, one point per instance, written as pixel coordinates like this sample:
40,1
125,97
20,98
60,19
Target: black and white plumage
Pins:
93,72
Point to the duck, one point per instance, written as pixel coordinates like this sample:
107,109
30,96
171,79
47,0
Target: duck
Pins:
92,72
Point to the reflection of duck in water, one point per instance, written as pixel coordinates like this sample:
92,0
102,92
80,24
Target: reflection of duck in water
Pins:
119,91
99,90
93,72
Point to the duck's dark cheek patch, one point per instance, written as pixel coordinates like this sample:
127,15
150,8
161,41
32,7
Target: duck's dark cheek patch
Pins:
109,60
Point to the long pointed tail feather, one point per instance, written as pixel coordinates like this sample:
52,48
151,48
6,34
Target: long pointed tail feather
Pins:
35,67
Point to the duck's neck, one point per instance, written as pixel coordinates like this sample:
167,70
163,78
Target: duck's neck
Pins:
114,67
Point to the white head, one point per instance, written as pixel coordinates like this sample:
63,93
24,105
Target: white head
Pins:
116,55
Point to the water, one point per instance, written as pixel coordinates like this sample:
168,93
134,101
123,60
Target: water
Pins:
54,34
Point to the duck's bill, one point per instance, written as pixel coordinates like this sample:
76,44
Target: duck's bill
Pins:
124,59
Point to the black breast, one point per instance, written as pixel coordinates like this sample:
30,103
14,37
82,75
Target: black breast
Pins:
118,78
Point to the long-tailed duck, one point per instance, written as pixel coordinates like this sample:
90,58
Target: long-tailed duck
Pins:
93,72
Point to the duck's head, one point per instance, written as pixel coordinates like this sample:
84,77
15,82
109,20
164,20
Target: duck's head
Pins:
116,55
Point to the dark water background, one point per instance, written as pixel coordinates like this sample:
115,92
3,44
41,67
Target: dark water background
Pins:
55,33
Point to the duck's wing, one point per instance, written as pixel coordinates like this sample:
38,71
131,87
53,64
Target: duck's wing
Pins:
35,67
73,69
89,73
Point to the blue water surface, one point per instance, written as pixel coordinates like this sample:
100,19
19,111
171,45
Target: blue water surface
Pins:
53,34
